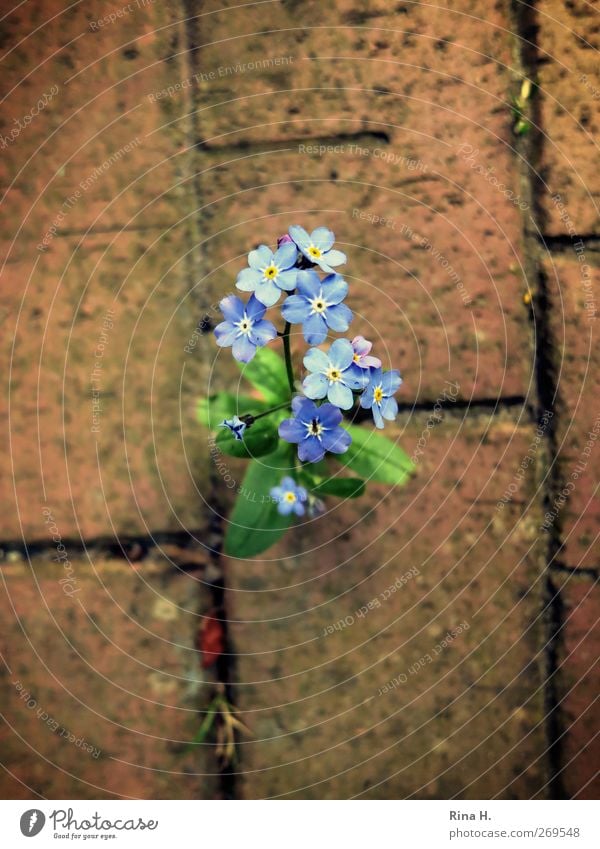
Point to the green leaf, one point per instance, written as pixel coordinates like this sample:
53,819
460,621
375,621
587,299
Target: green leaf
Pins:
255,524
259,439
342,487
375,457
211,411
267,373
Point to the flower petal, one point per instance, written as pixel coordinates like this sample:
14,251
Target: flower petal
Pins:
299,235
340,395
285,507
341,354
295,309
335,258
308,283
339,317
314,329
335,288
329,416
389,409
361,346
267,293
298,508
292,430
285,256
377,417
337,441
322,238
262,333
390,382
243,350
311,450
248,279
316,360
254,309
225,334
287,280
288,484
315,386
261,257
232,308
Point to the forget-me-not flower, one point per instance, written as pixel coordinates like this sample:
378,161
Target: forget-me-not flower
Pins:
317,247
332,375
244,327
236,426
315,430
268,273
378,395
289,497
318,305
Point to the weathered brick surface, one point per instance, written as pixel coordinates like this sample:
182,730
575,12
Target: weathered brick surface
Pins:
102,652
578,688
395,95
569,78
99,180
469,722
575,509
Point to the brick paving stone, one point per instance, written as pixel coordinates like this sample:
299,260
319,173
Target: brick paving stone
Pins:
103,652
465,721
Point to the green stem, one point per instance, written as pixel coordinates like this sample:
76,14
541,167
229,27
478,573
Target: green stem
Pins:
272,410
288,356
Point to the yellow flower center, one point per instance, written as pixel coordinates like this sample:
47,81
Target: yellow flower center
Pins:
315,252
356,358
378,394
271,272
290,497
333,375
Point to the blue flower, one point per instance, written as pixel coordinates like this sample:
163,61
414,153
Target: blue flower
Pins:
333,375
315,430
269,273
318,305
236,426
378,395
289,497
244,327
317,247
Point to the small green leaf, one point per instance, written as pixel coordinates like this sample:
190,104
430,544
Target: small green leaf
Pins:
255,524
211,411
375,457
259,439
267,373
342,487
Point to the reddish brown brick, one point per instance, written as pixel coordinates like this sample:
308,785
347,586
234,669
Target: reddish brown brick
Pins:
578,687
468,723
569,80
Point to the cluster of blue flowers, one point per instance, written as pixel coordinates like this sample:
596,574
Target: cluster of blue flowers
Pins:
333,376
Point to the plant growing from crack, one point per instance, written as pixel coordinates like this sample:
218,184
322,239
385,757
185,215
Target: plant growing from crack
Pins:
291,435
